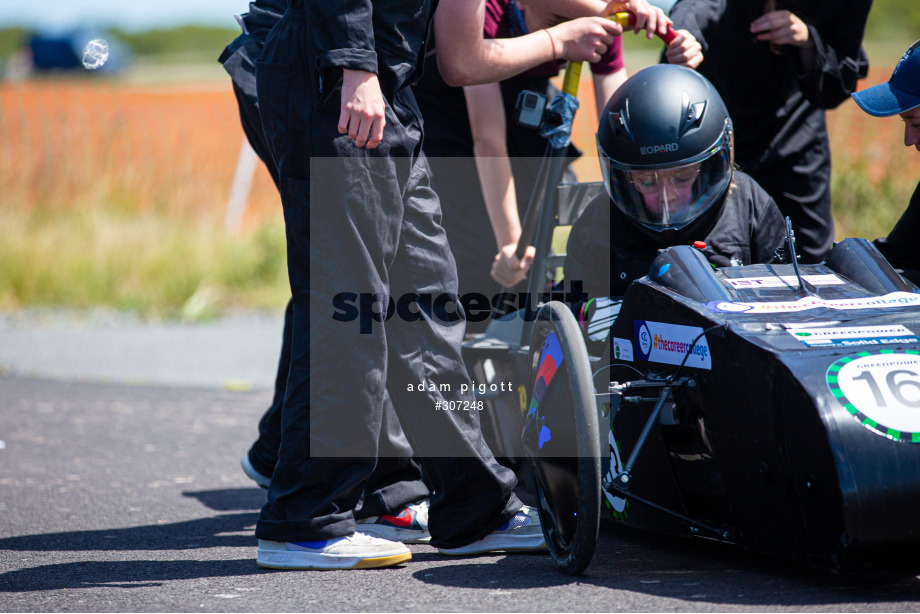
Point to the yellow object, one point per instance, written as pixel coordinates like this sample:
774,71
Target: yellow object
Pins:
570,80
620,18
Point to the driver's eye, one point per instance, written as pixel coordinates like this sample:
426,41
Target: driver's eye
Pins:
686,176
646,181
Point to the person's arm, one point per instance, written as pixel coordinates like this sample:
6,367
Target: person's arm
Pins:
466,58
697,18
604,87
487,123
342,34
827,62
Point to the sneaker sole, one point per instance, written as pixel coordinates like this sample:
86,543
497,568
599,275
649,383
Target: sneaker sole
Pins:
395,534
296,560
254,475
499,543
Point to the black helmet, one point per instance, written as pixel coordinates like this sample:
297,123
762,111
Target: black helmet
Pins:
665,147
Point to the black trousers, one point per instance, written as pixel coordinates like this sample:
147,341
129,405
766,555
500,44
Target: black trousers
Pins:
364,222
397,478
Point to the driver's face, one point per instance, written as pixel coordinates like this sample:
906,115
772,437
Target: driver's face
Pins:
671,189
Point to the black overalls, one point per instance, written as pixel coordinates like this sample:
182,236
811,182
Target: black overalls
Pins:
777,105
397,479
364,221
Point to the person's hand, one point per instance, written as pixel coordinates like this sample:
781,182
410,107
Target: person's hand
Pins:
650,18
363,113
507,269
584,39
780,28
684,50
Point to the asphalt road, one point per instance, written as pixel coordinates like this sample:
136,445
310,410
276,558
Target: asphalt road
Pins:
129,498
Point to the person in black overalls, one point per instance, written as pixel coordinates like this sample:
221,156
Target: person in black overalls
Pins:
362,221
778,65
396,481
900,95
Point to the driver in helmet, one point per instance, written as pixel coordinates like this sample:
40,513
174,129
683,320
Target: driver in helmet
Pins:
665,147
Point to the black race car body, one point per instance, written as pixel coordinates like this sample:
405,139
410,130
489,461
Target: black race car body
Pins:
792,427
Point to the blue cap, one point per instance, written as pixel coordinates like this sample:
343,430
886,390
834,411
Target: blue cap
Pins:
900,93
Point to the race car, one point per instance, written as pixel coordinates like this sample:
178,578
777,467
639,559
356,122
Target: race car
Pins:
774,407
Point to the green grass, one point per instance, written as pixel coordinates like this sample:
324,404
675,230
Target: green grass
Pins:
154,266
869,209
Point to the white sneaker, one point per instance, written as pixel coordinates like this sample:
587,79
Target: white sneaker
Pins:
252,474
409,526
522,532
356,551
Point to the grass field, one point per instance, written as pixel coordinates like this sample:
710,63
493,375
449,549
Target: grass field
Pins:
114,192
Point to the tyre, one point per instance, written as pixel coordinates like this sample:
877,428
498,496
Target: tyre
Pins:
561,438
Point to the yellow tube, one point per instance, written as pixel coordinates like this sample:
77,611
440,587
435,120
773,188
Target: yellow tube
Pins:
573,69
570,80
620,18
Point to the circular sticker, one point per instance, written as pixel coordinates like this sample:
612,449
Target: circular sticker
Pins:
645,340
881,390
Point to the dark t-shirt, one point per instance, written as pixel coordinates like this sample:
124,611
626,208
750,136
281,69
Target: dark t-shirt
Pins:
607,252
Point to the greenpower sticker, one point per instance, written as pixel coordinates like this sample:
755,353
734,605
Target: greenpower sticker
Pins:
848,336
880,389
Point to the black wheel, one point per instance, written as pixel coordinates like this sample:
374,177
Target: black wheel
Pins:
561,438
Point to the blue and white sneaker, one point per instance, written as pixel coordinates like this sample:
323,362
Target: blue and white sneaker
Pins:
356,551
252,474
522,532
409,526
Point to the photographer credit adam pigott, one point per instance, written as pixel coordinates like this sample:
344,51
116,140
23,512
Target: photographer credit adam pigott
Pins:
424,386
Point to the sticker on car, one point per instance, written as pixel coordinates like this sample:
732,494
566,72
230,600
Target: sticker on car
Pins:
881,390
672,344
850,336
779,281
888,301
622,349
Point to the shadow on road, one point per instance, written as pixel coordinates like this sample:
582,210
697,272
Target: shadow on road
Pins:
120,574
230,499
221,531
688,570
199,533
226,530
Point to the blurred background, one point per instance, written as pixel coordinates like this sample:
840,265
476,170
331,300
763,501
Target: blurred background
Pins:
123,185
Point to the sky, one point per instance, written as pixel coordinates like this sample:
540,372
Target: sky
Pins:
128,14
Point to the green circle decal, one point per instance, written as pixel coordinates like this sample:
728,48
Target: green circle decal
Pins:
881,390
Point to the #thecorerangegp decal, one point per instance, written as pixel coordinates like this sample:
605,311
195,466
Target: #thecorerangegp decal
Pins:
881,389
671,344
888,301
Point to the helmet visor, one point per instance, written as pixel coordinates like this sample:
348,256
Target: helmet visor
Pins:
672,197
